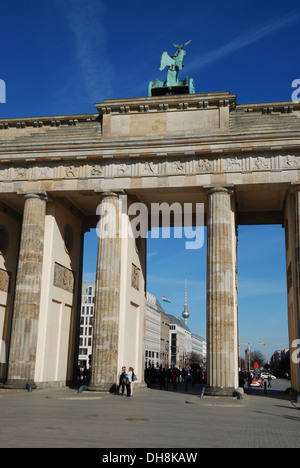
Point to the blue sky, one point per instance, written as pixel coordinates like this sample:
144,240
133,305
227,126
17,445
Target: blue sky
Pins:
62,57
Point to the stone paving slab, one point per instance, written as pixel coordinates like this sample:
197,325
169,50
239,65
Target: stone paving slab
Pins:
151,418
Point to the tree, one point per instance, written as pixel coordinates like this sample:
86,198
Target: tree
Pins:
256,356
195,358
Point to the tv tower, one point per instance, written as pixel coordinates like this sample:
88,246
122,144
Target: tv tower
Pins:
185,313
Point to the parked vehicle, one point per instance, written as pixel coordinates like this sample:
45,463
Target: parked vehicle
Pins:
265,375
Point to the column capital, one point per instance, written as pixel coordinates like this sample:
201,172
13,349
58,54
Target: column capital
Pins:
225,188
34,194
109,194
294,188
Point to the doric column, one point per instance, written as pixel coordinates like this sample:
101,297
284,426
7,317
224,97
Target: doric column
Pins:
222,346
297,262
107,297
293,281
22,355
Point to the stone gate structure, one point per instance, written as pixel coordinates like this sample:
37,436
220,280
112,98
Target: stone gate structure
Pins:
241,161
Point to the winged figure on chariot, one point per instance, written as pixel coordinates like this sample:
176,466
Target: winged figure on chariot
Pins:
175,64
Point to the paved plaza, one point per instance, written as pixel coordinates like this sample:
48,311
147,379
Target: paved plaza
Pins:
151,418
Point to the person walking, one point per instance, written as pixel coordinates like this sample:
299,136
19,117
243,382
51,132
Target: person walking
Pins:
174,378
162,378
121,382
188,378
269,380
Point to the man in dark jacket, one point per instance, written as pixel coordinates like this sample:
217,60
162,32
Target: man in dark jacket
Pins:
121,384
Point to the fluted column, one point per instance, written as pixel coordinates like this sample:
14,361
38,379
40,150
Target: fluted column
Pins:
107,297
297,255
22,355
294,307
222,346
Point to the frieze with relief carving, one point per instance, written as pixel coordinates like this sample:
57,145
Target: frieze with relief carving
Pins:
160,165
4,280
64,278
135,277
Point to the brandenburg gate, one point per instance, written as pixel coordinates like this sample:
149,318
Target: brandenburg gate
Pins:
242,161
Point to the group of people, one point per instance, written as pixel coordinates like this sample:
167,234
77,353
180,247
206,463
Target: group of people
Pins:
165,376
193,373
83,375
126,381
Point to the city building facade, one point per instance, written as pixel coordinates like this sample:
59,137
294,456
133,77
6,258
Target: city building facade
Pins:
156,334
86,325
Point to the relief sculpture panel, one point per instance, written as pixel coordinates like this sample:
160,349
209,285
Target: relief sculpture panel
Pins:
64,278
155,164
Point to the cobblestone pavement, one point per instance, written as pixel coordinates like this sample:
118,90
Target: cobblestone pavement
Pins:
151,418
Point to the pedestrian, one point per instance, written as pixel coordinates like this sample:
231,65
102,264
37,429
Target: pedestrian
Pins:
134,378
188,378
161,378
269,380
128,381
174,378
121,382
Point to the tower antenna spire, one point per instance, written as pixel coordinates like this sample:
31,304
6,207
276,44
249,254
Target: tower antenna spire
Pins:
185,313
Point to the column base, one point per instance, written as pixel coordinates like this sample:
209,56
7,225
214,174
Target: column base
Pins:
222,391
19,384
102,387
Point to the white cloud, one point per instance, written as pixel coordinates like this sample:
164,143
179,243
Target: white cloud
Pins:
244,40
86,21
260,287
151,254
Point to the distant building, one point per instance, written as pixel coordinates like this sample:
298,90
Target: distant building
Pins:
168,339
199,348
185,344
156,334
181,342
86,324
278,356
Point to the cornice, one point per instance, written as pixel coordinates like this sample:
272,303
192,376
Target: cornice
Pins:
50,121
206,144
168,103
270,107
